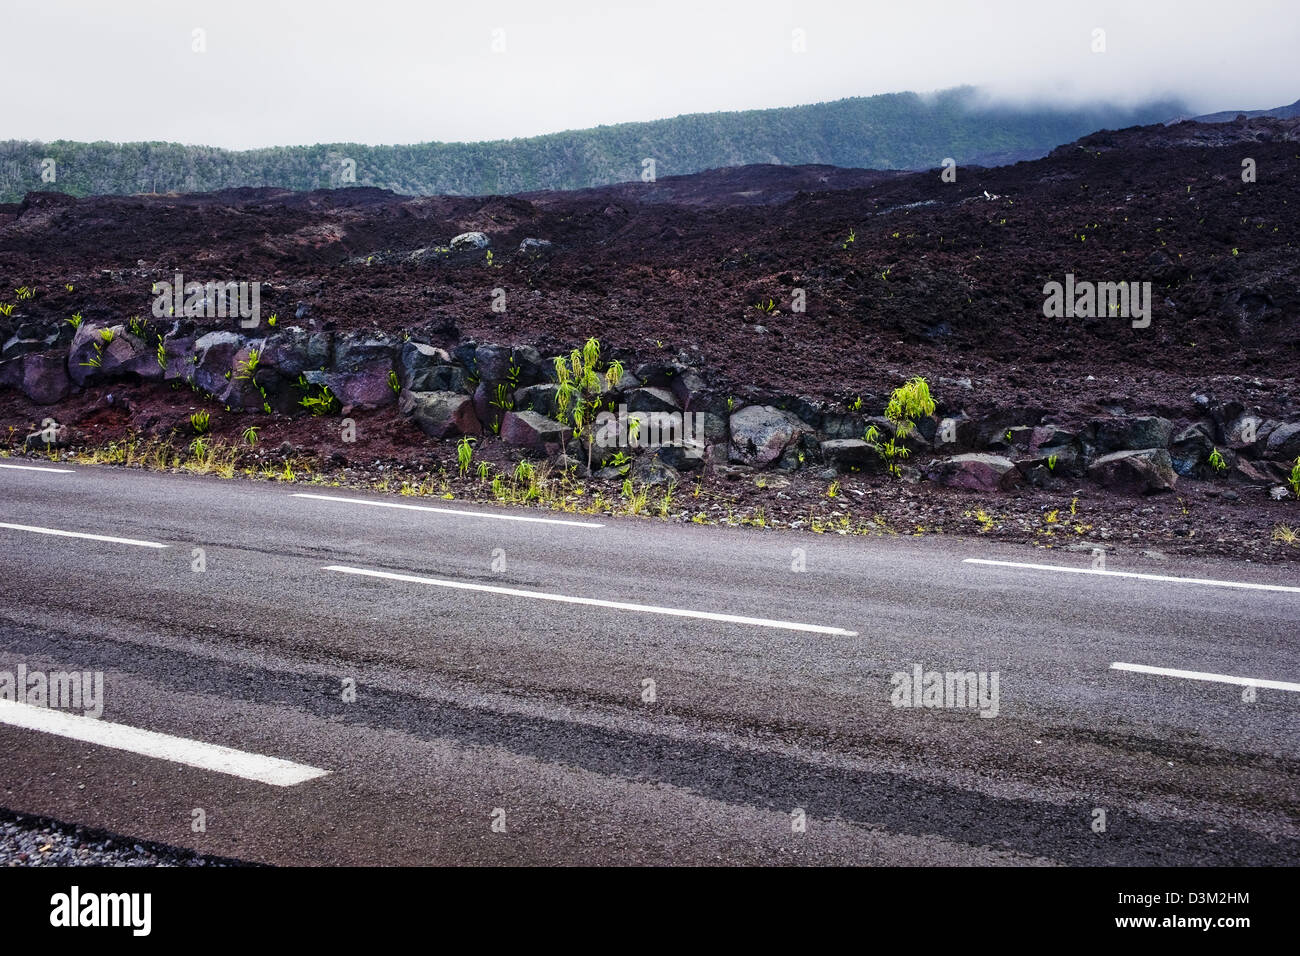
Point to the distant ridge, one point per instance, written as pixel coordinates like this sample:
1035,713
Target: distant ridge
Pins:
1227,116
889,131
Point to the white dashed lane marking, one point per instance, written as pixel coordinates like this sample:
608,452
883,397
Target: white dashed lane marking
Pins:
148,743
1165,578
1204,675
452,511
81,534
596,602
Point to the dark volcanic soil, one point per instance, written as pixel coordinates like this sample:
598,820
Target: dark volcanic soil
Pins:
904,274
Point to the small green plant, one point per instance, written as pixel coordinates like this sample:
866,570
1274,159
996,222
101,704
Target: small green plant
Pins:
1294,479
200,421
1217,462
1051,463
246,369
834,490
907,403
579,395
393,382
250,434
161,355
465,455
137,326
318,399
850,240
767,308
106,335
75,321
272,320
6,309
482,470
24,292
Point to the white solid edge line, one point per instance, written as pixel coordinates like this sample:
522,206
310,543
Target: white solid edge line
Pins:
81,534
596,602
451,511
1135,574
57,471
149,743
1202,675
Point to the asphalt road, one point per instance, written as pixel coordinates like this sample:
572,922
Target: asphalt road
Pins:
426,706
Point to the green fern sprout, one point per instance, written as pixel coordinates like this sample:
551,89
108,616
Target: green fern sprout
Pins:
465,455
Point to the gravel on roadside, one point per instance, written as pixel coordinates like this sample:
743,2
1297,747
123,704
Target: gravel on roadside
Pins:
27,840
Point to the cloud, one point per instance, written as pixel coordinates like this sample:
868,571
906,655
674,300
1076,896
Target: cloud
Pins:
384,71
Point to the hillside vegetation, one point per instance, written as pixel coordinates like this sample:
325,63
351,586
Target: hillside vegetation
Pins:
891,131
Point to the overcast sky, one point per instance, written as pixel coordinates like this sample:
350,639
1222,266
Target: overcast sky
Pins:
276,72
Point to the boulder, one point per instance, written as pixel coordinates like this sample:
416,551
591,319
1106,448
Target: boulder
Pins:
178,350
837,424
441,414
537,398
1130,433
689,384
535,246
1191,449
653,470
976,472
243,389
533,431
993,427
953,432
17,346
517,366
470,240
93,358
360,375
426,368
11,373
354,353
687,456
1135,471
294,350
45,378
761,433
652,400
850,454
1283,443
214,360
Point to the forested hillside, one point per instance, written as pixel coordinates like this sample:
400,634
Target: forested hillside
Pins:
892,131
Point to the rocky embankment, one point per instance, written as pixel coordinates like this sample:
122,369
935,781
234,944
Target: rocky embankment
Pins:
687,423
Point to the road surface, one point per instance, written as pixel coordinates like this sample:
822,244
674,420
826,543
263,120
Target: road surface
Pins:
347,678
